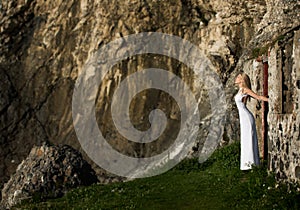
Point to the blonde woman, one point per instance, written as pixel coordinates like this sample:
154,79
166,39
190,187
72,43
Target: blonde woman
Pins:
249,142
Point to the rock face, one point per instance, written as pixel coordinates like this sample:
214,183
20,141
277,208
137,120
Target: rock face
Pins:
48,172
45,45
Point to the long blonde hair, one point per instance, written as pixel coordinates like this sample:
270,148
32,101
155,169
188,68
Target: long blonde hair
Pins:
246,84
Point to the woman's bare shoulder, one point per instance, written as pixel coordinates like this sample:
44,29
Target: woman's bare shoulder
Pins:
246,90
242,90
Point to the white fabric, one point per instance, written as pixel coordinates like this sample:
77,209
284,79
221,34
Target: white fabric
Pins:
249,142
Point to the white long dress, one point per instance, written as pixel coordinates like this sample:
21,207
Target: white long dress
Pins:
249,142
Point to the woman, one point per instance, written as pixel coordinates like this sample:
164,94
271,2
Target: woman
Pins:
249,143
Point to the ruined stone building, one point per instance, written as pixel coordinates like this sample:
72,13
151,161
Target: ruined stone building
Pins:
278,133
284,110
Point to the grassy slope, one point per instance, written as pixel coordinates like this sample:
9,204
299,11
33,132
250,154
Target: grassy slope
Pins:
216,184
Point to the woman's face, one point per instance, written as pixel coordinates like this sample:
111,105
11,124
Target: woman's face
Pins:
238,80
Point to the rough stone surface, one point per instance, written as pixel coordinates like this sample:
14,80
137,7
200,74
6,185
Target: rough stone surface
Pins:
48,172
44,46
284,115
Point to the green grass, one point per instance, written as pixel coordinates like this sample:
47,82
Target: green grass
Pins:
216,184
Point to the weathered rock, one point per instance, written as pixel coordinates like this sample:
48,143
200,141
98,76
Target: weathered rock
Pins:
283,85
284,114
48,172
44,46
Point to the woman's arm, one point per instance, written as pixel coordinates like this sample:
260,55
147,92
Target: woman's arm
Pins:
254,95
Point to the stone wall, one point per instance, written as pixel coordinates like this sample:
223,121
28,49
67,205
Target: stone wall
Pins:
284,114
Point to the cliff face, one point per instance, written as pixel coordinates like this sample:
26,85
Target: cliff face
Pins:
44,46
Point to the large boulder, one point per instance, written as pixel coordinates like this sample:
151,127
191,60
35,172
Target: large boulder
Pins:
48,172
